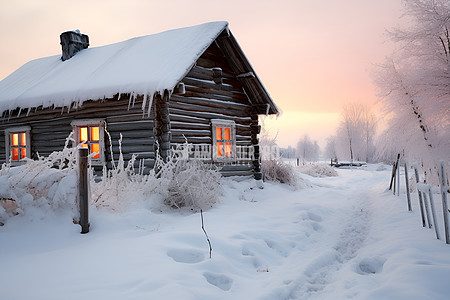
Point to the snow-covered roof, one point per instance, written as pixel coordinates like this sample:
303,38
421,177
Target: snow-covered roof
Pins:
142,65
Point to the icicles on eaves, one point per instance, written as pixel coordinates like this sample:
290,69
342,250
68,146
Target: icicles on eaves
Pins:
144,102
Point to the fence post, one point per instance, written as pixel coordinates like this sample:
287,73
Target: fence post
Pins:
83,197
408,196
394,168
425,200
420,197
444,189
398,179
433,212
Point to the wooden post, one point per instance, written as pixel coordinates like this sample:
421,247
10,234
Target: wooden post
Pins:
416,172
83,196
398,178
433,212
425,200
394,168
408,196
444,188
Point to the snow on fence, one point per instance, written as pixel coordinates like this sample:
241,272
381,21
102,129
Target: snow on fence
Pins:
425,196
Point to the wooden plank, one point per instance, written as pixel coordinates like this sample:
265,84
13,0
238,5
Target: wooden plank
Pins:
195,91
209,109
212,103
209,116
182,125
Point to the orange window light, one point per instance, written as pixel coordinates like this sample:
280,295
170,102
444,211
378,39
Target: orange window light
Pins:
15,154
95,133
83,134
218,133
23,139
23,153
95,148
15,139
227,133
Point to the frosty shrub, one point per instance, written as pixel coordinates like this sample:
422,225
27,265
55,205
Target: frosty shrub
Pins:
317,170
191,184
278,171
181,183
46,183
272,166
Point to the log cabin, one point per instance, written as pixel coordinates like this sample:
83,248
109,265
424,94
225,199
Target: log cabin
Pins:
191,85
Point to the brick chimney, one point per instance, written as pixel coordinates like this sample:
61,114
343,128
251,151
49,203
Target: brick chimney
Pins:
72,42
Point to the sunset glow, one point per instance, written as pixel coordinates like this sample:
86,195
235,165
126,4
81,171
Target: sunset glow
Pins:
311,56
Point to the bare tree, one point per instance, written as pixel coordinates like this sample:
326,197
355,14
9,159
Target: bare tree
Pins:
355,135
307,149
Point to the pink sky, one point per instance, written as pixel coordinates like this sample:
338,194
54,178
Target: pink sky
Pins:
312,56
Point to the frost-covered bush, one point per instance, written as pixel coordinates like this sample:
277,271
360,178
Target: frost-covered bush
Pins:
317,170
48,183
278,171
190,183
179,182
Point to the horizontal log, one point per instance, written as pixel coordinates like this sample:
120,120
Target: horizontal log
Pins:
209,116
188,119
210,86
213,93
194,140
133,117
140,155
190,133
134,141
126,149
212,103
126,126
129,134
186,126
54,144
209,109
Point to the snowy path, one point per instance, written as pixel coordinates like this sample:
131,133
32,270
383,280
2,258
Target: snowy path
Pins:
344,238
353,226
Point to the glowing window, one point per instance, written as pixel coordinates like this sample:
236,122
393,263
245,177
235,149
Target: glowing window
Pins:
223,138
89,134
17,144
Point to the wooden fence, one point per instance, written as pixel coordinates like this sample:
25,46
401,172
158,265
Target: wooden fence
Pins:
425,196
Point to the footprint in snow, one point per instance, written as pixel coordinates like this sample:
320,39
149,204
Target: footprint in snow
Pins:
221,281
188,256
370,265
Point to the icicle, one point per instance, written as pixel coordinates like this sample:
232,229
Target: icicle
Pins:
129,101
20,110
28,112
118,97
134,99
144,102
150,104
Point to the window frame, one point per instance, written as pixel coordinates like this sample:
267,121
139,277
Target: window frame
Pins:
8,146
215,123
100,123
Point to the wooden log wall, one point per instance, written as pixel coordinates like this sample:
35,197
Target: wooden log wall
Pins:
208,97
51,126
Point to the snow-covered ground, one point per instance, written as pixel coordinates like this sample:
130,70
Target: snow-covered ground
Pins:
345,237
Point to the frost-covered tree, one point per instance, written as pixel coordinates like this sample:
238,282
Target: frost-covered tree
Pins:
355,135
307,149
414,85
330,148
